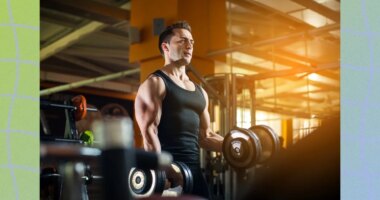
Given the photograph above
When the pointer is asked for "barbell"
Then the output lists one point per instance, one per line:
(78, 105)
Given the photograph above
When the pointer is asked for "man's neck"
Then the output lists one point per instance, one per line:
(176, 68)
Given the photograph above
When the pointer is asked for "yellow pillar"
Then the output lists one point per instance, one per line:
(287, 132)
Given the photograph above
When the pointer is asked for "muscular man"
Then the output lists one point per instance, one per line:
(171, 110)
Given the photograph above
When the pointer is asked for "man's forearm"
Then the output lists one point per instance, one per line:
(212, 142)
(151, 142)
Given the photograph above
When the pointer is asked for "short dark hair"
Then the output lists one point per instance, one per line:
(167, 34)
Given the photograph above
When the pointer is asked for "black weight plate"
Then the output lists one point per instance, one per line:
(187, 177)
(257, 148)
(190, 184)
(269, 140)
(241, 148)
(238, 149)
(161, 179)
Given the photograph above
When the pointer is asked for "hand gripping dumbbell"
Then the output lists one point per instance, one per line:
(144, 182)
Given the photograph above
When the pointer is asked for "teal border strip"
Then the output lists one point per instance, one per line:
(360, 95)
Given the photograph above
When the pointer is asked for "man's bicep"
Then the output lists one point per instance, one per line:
(205, 120)
(142, 111)
(204, 126)
(205, 116)
(147, 104)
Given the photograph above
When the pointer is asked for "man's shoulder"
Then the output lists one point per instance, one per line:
(154, 82)
(153, 85)
(154, 78)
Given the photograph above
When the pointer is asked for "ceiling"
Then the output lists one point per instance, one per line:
(291, 48)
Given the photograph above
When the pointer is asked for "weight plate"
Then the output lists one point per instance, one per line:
(269, 140)
(187, 177)
(241, 148)
(80, 104)
(141, 182)
(161, 179)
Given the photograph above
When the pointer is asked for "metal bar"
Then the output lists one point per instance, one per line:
(48, 104)
(253, 105)
(234, 100)
(281, 73)
(315, 31)
(54, 105)
(270, 13)
(70, 123)
(88, 81)
(323, 10)
(92, 10)
(284, 112)
(60, 78)
(69, 39)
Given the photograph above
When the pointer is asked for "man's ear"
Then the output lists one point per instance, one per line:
(164, 46)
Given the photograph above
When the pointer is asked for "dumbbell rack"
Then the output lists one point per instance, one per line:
(115, 157)
(73, 135)
(67, 164)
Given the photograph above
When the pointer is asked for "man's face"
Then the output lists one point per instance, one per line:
(180, 45)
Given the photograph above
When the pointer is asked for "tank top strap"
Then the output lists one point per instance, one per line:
(164, 77)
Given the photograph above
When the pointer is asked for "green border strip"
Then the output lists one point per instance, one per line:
(19, 86)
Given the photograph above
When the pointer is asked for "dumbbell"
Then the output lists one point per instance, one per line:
(244, 148)
(145, 182)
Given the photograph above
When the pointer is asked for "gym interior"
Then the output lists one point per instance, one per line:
(271, 70)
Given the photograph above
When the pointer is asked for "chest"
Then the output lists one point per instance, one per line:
(178, 99)
(184, 84)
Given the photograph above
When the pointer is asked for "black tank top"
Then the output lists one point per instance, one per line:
(179, 125)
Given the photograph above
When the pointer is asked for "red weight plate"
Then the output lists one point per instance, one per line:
(80, 107)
